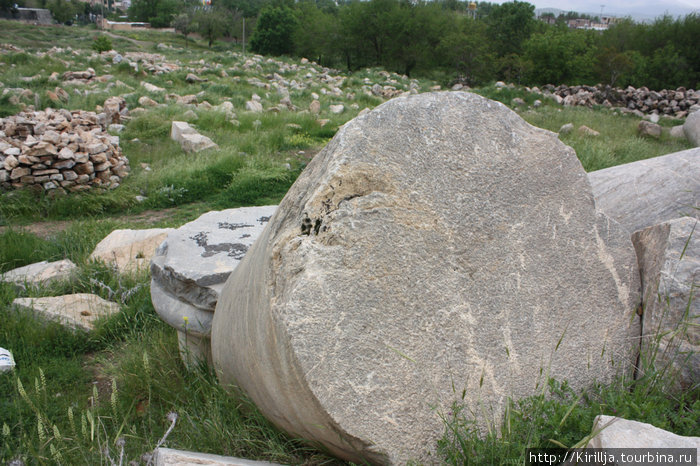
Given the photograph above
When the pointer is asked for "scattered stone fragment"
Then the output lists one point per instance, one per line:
(413, 238)
(40, 274)
(677, 132)
(648, 192)
(253, 106)
(151, 87)
(337, 108)
(170, 457)
(79, 311)
(191, 266)
(691, 128)
(315, 107)
(192, 78)
(616, 432)
(145, 101)
(188, 138)
(646, 128)
(566, 128)
(669, 263)
(130, 251)
(586, 131)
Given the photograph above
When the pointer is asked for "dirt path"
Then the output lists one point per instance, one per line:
(51, 228)
(140, 43)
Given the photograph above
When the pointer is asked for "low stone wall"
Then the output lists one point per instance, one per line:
(675, 103)
(60, 150)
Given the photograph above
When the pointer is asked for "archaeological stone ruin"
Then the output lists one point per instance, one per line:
(190, 267)
(61, 150)
(438, 244)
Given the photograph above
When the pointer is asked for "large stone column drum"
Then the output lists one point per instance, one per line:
(438, 244)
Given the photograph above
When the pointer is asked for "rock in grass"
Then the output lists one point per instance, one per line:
(40, 273)
(691, 128)
(647, 128)
(79, 311)
(189, 270)
(586, 131)
(437, 244)
(647, 192)
(188, 138)
(616, 432)
(669, 263)
(130, 250)
(171, 457)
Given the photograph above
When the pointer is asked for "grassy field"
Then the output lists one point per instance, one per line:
(77, 397)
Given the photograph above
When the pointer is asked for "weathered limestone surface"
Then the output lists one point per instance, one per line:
(669, 264)
(437, 242)
(130, 250)
(647, 192)
(74, 310)
(616, 432)
(170, 457)
(41, 273)
(190, 268)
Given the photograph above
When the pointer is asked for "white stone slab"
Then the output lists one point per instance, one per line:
(75, 310)
(130, 250)
(40, 273)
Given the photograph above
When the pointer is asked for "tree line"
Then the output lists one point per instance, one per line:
(445, 40)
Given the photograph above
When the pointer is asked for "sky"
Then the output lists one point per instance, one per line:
(638, 9)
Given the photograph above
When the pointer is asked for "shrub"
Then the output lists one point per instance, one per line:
(101, 44)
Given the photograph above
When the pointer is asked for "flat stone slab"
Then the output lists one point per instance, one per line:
(189, 139)
(616, 432)
(40, 273)
(647, 192)
(78, 311)
(130, 250)
(669, 264)
(190, 267)
(170, 457)
(195, 260)
(438, 245)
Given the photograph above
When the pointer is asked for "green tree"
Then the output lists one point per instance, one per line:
(160, 13)
(183, 24)
(465, 47)
(274, 31)
(316, 34)
(510, 25)
(61, 10)
(610, 65)
(211, 23)
(560, 55)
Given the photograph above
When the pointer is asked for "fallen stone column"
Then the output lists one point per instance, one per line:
(438, 244)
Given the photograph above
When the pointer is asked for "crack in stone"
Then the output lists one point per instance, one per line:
(233, 226)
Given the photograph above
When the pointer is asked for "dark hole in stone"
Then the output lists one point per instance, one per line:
(263, 220)
(306, 226)
(317, 225)
(85, 313)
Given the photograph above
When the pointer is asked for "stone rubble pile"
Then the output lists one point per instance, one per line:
(59, 150)
(153, 63)
(676, 103)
